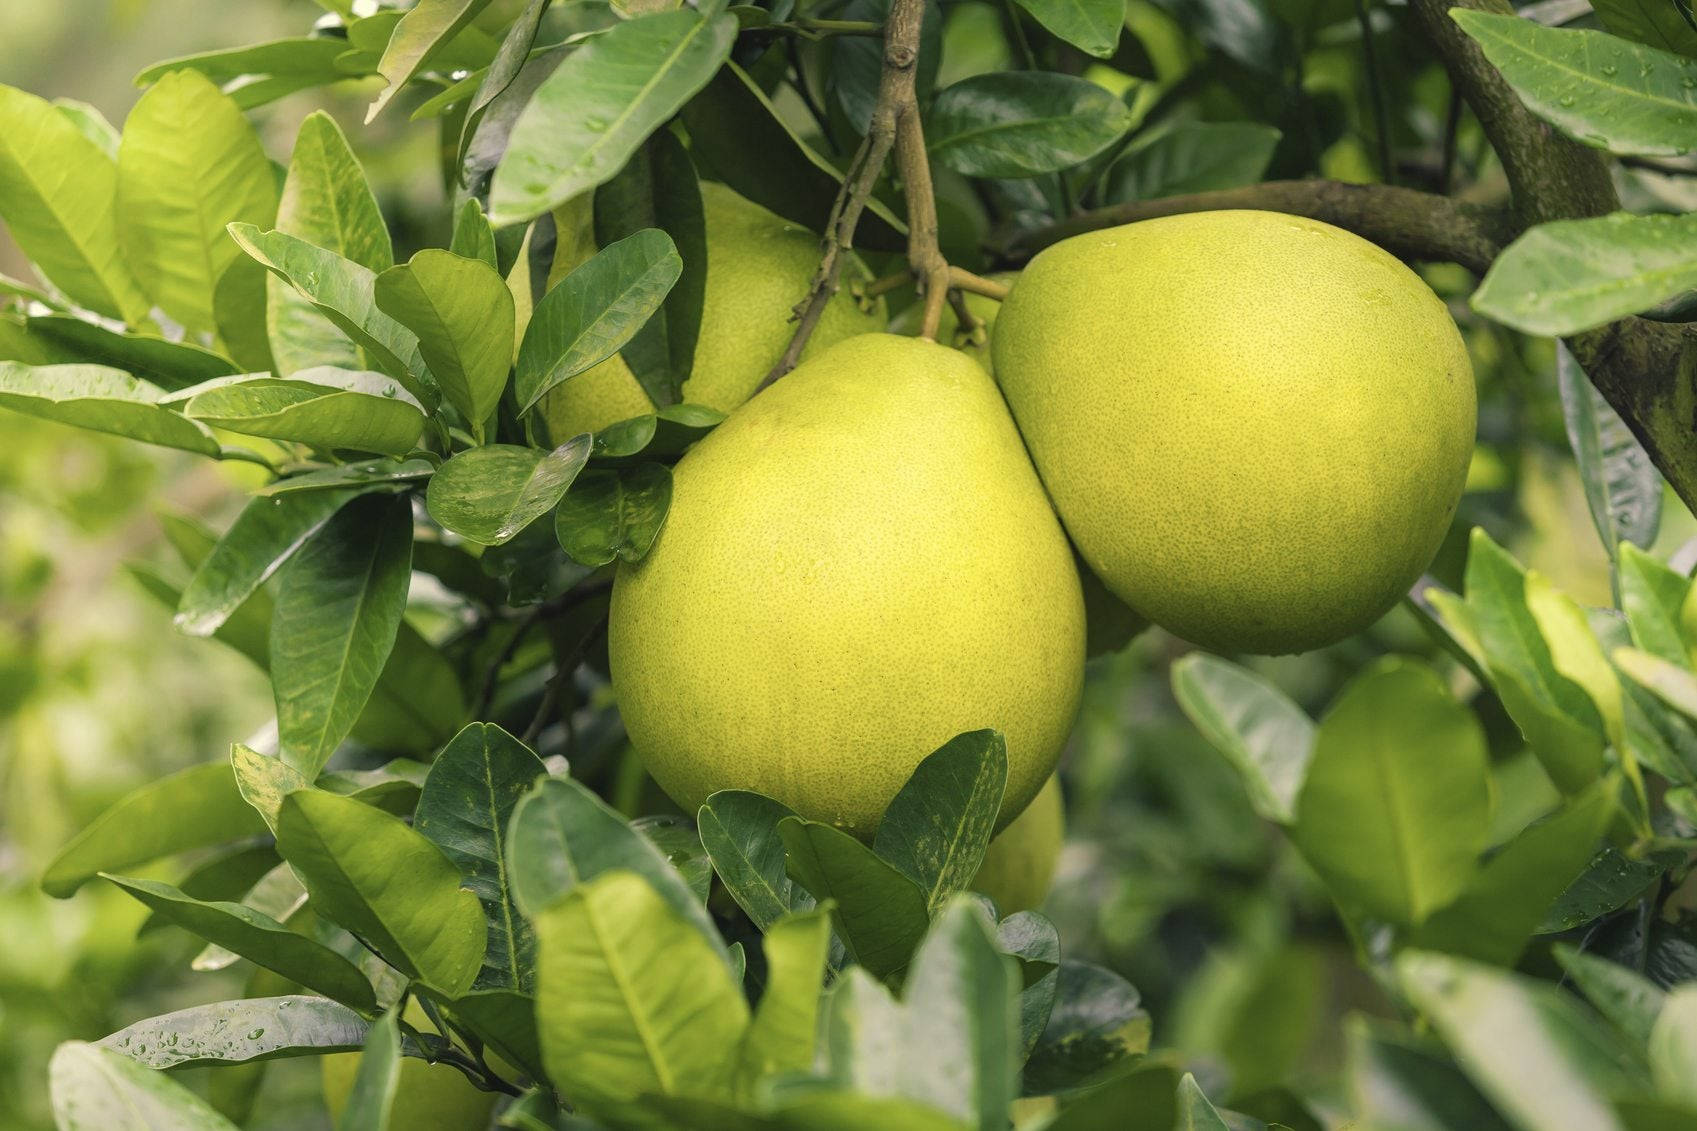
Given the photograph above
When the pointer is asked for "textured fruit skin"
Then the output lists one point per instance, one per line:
(433, 1096)
(1256, 427)
(758, 267)
(858, 565)
(1020, 863)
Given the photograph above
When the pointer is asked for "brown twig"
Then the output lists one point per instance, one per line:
(963, 280)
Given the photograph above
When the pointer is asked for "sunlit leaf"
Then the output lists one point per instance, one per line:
(1268, 738)
(101, 400)
(95, 1089)
(490, 494)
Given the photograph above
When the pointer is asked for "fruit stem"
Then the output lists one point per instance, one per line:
(963, 280)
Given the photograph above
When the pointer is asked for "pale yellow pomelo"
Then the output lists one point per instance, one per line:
(1020, 863)
(858, 565)
(1256, 427)
(759, 266)
(436, 1096)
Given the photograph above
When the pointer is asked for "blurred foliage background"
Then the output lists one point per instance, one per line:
(1168, 876)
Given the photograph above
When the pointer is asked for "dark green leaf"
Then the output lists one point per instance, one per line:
(589, 116)
(236, 1032)
(880, 914)
(614, 514)
(1268, 738)
(666, 432)
(1623, 489)
(1033, 940)
(1193, 157)
(95, 1089)
(505, 1020)
(1022, 123)
(225, 874)
(462, 312)
(170, 365)
(1097, 1020)
(1649, 21)
(1624, 996)
(1092, 26)
(1608, 883)
(278, 896)
(739, 830)
(491, 493)
(372, 472)
(466, 807)
(939, 823)
(101, 400)
(678, 841)
(379, 1075)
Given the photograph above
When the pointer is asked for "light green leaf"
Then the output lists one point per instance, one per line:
(264, 780)
(101, 400)
(369, 872)
(1022, 123)
(1571, 275)
(880, 914)
(466, 808)
(1623, 489)
(1623, 995)
(261, 72)
(1673, 684)
(588, 117)
(93, 124)
(1394, 808)
(781, 1037)
(1651, 596)
(58, 196)
(325, 407)
(1264, 735)
(590, 314)
(189, 165)
(462, 312)
(95, 1089)
(490, 494)
(372, 1095)
(1092, 26)
(1576, 653)
(258, 938)
(238, 307)
(420, 35)
(472, 236)
(940, 822)
(239, 1032)
(193, 808)
(339, 606)
(614, 514)
(1195, 1113)
(1673, 1047)
(1594, 87)
(632, 998)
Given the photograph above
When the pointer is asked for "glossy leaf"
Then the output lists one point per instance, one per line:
(261, 539)
(664, 432)
(1092, 26)
(1650, 22)
(58, 197)
(366, 472)
(491, 493)
(1097, 1020)
(614, 514)
(589, 116)
(1265, 736)
(1609, 882)
(474, 785)
(1570, 275)
(278, 895)
(940, 822)
(326, 202)
(1626, 997)
(1594, 87)
(462, 313)
(237, 1032)
(1034, 942)
(880, 914)
(189, 165)
(1393, 811)
(1623, 489)
(95, 1089)
(783, 1032)
(372, 1096)
(224, 874)
(192, 808)
(170, 365)
(371, 873)
(631, 997)
(1193, 157)
(739, 830)
(420, 35)
(339, 607)
(326, 408)
(1022, 123)
(260, 939)
(594, 311)
(101, 400)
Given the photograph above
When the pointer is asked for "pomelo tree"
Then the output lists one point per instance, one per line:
(506, 482)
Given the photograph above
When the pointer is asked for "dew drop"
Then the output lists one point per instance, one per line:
(255, 1034)
(1567, 100)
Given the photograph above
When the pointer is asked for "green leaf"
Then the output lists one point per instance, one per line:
(238, 1032)
(1609, 882)
(563, 835)
(665, 432)
(370, 873)
(238, 307)
(1570, 275)
(465, 809)
(589, 116)
(1673, 1047)
(675, 836)
(472, 236)
(262, 72)
(95, 1089)
(1034, 942)
(93, 124)
(739, 830)
(1576, 653)
(1150, 1089)
(940, 822)
(258, 938)
(1193, 157)
(193, 808)
(1623, 995)
(419, 37)
(1593, 87)
(1651, 596)
(1022, 123)
(510, 59)
(1393, 811)
(1092, 26)
(737, 134)
(462, 312)
(658, 190)
(505, 1020)
(372, 472)
(1195, 1113)
(278, 895)
(339, 607)
(1649, 21)
(326, 202)
(1673, 684)
(594, 311)
(372, 1096)
(781, 1037)
(261, 539)
(491, 493)
(189, 165)
(101, 400)
(631, 997)
(224, 873)
(170, 365)
(1398, 1084)
(1265, 736)
(1532, 1048)
(342, 291)
(1623, 489)
(614, 514)
(58, 196)
(880, 914)
(1098, 1020)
